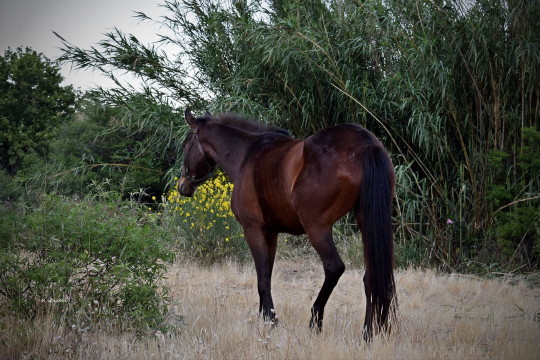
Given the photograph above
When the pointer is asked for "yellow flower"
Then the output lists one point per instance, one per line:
(208, 208)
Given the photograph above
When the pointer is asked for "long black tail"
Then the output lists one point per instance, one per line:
(374, 215)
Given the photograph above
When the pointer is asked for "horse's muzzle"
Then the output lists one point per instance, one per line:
(185, 188)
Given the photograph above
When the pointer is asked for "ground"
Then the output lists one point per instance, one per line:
(441, 316)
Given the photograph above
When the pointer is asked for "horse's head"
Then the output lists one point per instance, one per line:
(197, 166)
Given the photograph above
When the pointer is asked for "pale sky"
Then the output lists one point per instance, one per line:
(82, 23)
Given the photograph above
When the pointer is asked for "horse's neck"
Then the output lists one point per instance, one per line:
(229, 148)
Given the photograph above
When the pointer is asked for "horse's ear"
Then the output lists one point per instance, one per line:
(207, 114)
(190, 119)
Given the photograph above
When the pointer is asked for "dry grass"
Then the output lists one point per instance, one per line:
(441, 317)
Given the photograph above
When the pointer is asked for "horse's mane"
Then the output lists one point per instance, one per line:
(246, 124)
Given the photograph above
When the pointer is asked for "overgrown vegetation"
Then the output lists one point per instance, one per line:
(87, 259)
(93, 147)
(449, 86)
(89, 218)
(206, 227)
(73, 241)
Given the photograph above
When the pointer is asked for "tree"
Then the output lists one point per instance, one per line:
(443, 84)
(32, 105)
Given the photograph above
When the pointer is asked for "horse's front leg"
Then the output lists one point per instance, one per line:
(263, 249)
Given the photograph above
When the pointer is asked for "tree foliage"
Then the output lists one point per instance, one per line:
(447, 85)
(33, 103)
(94, 147)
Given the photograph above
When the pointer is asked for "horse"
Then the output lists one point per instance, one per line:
(285, 185)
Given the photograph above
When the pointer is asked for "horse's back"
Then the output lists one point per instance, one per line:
(344, 138)
(337, 150)
(328, 184)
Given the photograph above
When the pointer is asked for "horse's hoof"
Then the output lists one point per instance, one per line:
(366, 335)
(271, 319)
(315, 325)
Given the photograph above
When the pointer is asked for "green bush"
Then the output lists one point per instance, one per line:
(10, 187)
(99, 260)
(207, 229)
(92, 148)
(515, 198)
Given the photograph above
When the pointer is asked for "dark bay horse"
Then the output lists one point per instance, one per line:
(302, 187)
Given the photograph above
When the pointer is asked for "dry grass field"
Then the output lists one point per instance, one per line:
(440, 317)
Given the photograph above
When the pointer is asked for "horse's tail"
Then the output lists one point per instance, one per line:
(373, 212)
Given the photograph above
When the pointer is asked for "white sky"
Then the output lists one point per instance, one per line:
(82, 23)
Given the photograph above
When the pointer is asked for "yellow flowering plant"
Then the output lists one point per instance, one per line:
(209, 230)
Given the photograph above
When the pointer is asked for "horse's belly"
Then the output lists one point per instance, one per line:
(284, 221)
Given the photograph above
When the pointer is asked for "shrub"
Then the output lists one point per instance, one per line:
(514, 193)
(10, 187)
(91, 259)
(92, 147)
(208, 229)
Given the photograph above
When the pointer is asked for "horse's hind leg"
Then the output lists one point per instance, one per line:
(263, 249)
(321, 240)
